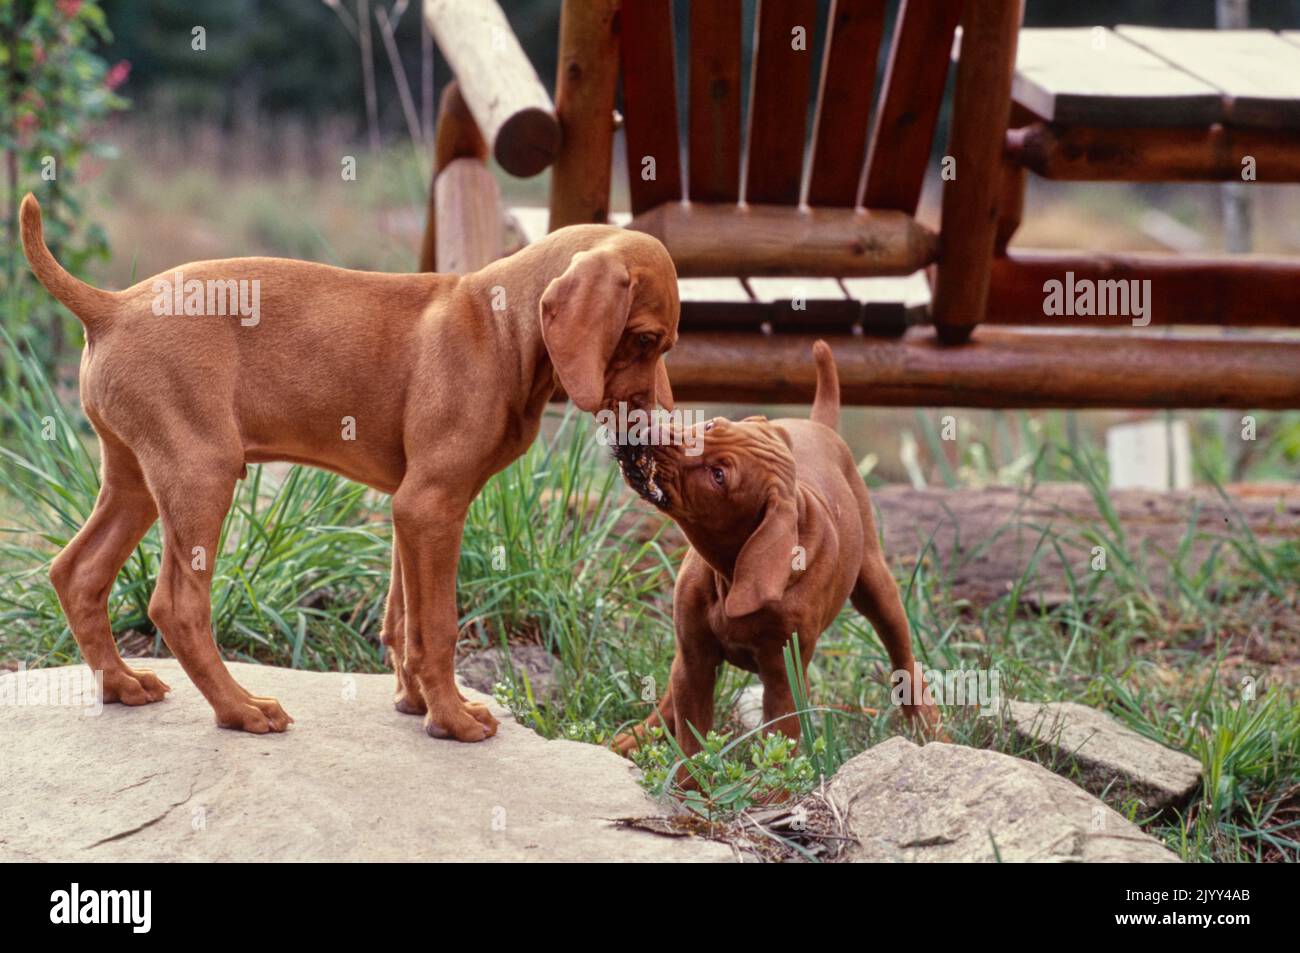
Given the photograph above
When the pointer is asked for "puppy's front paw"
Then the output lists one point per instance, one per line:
(461, 720)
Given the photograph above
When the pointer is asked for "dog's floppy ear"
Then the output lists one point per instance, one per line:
(583, 313)
(766, 560)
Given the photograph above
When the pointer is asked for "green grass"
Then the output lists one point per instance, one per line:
(556, 555)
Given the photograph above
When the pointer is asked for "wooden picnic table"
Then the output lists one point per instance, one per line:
(1142, 103)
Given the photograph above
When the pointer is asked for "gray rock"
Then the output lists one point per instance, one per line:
(482, 669)
(1109, 757)
(949, 803)
(351, 780)
(749, 707)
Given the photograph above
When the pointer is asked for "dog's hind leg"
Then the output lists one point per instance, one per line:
(84, 572)
(193, 498)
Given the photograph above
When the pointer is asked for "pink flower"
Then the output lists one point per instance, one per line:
(117, 74)
(69, 8)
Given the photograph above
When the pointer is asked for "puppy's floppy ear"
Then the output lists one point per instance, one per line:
(583, 313)
(766, 560)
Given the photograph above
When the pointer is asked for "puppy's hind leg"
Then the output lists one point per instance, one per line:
(193, 498)
(84, 572)
(876, 596)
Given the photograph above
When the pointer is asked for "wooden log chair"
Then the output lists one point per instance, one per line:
(789, 232)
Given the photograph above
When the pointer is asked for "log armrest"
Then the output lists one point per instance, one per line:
(506, 99)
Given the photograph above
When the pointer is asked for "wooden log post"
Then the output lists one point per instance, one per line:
(457, 137)
(500, 86)
(1000, 367)
(468, 217)
(586, 77)
(981, 111)
(708, 241)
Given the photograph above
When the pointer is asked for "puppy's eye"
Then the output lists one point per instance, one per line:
(718, 475)
(646, 340)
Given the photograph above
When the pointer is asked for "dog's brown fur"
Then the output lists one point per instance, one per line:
(758, 490)
(444, 390)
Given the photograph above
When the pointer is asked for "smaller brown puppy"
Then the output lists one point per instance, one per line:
(776, 548)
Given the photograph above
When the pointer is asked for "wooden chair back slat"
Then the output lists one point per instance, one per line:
(848, 78)
(778, 102)
(910, 101)
(650, 103)
(714, 108)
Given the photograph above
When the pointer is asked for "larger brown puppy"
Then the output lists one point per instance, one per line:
(777, 546)
(419, 385)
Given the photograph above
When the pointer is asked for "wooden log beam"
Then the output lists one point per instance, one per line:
(1235, 290)
(506, 98)
(997, 368)
(468, 217)
(709, 241)
(1212, 153)
(585, 80)
(981, 109)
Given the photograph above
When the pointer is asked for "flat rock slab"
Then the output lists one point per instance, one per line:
(948, 803)
(351, 780)
(1109, 756)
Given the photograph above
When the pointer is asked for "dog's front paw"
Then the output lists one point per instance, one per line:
(462, 720)
(133, 687)
(257, 715)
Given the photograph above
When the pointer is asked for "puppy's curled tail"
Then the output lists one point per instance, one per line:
(826, 403)
(91, 305)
